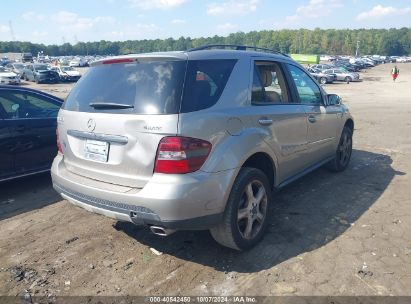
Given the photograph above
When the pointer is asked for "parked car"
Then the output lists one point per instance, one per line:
(321, 77)
(66, 73)
(26, 57)
(343, 75)
(8, 77)
(347, 66)
(16, 67)
(196, 139)
(322, 67)
(27, 131)
(78, 62)
(4, 61)
(40, 73)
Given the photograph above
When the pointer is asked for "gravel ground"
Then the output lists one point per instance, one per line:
(329, 234)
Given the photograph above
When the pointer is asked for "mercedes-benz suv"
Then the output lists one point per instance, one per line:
(196, 140)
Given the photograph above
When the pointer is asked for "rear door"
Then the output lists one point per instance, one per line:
(114, 118)
(275, 109)
(32, 124)
(6, 144)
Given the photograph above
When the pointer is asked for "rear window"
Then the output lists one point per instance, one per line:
(153, 87)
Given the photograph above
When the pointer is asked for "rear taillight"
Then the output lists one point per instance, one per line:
(58, 142)
(179, 155)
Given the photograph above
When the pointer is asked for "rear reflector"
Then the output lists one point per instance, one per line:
(179, 155)
(59, 148)
(118, 60)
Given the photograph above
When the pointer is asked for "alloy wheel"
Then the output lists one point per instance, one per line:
(344, 150)
(252, 210)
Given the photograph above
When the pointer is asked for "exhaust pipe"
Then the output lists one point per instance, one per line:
(161, 230)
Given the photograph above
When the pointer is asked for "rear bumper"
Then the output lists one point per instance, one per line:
(193, 201)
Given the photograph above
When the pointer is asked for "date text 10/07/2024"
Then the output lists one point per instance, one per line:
(201, 299)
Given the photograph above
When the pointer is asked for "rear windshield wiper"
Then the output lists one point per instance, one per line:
(110, 105)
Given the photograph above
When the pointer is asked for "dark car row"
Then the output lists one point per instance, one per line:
(28, 120)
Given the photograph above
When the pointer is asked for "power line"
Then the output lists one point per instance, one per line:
(13, 37)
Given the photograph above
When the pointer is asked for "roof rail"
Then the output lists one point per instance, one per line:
(234, 46)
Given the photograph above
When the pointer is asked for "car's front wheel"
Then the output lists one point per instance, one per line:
(343, 153)
(245, 217)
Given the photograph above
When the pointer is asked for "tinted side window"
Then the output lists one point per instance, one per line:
(307, 89)
(27, 105)
(205, 82)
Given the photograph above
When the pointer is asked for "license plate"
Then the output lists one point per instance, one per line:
(96, 150)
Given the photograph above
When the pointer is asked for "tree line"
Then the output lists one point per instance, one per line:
(303, 41)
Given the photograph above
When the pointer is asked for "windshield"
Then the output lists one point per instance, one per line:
(67, 69)
(18, 66)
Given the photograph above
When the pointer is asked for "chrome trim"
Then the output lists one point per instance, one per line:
(102, 137)
(24, 175)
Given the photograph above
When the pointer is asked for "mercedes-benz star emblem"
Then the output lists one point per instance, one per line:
(91, 124)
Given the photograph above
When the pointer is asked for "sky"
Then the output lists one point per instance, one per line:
(57, 21)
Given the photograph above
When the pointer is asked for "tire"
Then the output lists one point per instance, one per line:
(323, 80)
(343, 153)
(243, 229)
(36, 80)
(347, 79)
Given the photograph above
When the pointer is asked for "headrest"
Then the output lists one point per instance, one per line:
(266, 77)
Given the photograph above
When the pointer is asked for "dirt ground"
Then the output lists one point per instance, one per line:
(329, 234)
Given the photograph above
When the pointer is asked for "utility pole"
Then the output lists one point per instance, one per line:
(358, 46)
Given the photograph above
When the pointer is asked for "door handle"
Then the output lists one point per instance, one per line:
(312, 119)
(264, 121)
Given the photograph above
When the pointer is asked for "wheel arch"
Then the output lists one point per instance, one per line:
(350, 124)
(263, 162)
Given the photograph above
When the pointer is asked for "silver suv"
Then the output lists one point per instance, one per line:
(196, 140)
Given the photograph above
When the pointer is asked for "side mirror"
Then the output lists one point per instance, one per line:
(334, 99)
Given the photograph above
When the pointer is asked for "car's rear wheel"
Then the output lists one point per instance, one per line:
(245, 217)
(347, 79)
(343, 153)
(323, 80)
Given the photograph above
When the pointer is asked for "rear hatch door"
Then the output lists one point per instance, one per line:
(114, 118)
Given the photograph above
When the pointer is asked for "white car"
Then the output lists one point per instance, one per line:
(66, 73)
(78, 62)
(8, 77)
